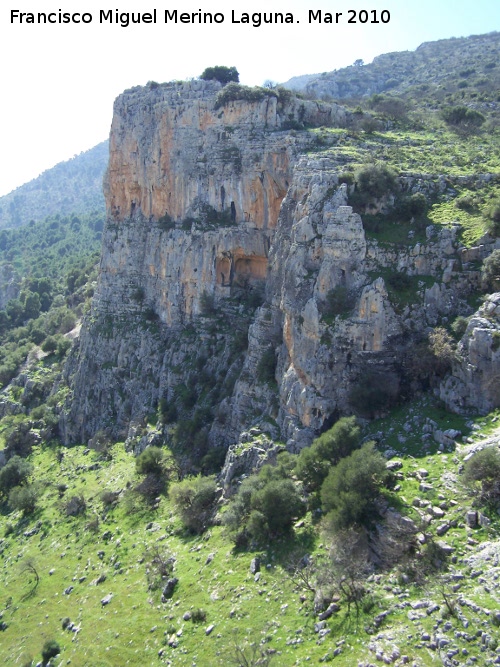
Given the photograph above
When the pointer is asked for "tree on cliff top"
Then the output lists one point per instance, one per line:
(221, 73)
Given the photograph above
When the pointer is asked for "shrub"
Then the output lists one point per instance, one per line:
(484, 467)
(493, 215)
(109, 498)
(265, 505)
(207, 304)
(151, 460)
(198, 615)
(151, 487)
(374, 182)
(25, 498)
(328, 449)
(462, 117)
(234, 91)
(339, 301)
(194, 499)
(491, 271)
(15, 472)
(442, 346)
(274, 506)
(220, 73)
(349, 491)
(50, 649)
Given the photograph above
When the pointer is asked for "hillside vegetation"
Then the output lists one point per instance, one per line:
(378, 544)
(74, 186)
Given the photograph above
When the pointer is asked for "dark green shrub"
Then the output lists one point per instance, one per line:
(484, 467)
(352, 486)
(194, 499)
(338, 301)
(462, 117)
(50, 649)
(198, 615)
(151, 460)
(459, 326)
(491, 271)
(234, 91)
(166, 222)
(278, 503)
(493, 216)
(15, 472)
(25, 498)
(207, 304)
(168, 411)
(220, 73)
(374, 182)
(414, 206)
(314, 462)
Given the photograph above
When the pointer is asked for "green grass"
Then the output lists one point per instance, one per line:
(136, 625)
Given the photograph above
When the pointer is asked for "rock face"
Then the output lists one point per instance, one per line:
(215, 207)
(475, 379)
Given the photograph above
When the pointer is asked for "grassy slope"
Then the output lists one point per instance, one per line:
(135, 626)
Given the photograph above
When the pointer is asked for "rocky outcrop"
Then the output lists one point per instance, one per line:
(212, 205)
(474, 383)
(193, 192)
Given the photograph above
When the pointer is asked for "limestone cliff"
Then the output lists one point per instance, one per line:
(193, 193)
(214, 207)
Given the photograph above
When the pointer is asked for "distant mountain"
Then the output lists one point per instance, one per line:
(465, 62)
(74, 186)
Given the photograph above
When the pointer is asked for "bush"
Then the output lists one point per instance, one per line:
(276, 504)
(150, 461)
(14, 473)
(442, 346)
(25, 498)
(327, 450)
(493, 215)
(339, 301)
(349, 491)
(265, 505)
(194, 499)
(50, 649)
(462, 117)
(491, 271)
(234, 91)
(198, 615)
(374, 182)
(220, 73)
(484, 467)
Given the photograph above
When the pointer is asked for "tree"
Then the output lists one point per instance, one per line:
(194, 499)
(484, 467)
(151, 460)
(328, 449)
(349, 491)
(25, 498)
(50, 649)
(15, 472)
(221, 73)
(491, 271)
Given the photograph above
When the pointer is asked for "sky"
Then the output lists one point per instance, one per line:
(59, 80)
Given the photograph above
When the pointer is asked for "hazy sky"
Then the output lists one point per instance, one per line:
(59, 81)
